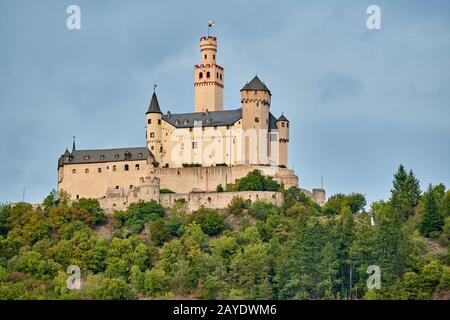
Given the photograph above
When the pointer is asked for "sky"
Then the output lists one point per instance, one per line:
(360, 102)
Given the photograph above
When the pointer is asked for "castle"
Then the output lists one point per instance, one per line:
(189, 153)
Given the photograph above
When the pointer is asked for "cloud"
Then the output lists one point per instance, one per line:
(334, 86)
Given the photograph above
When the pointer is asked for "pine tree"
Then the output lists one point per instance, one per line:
(432, 219)
(405, 194)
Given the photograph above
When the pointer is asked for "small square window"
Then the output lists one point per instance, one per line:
(194, 145)
(99, 170)
(256, 119)
(152, 134)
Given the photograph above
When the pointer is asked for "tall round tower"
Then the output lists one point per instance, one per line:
(255, 99)
(153, 130)
(208, 78)
(283, 139)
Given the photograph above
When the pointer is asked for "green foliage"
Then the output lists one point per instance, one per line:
(166, 191)
(114, 289)
(432, 219)
(261, 209)
(405, 194)
(354, 201)
(219, 188)
(91, 208)
(138, 214)
(211, 221)
(159, 231)
(255, 181)
(237, 206)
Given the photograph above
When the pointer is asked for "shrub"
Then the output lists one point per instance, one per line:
(114, 289)
(261, 209)
(138, 214)
(255, 181)
(166, 191)
(92, 208)
(210, 221)
(159, 231)
(237, 205)
(219, 188)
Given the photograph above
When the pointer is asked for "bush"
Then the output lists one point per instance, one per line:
(219, 188)
(138, 214)
(166, 191)
(237, 205)
(174, 226)
(210, 221)
(92, 208)
(159, 231)
(191, 165)
(261, 209)
(255, 181)
(114, 289)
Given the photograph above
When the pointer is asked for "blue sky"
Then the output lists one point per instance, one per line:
(360, 102)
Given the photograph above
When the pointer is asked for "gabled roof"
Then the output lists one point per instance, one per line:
(208, 119)
(105, 155)
(154, 105)
(282, 118)
(255, 84)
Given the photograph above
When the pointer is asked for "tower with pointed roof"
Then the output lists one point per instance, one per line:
(255, 99)
(153, 129)
(208, 78)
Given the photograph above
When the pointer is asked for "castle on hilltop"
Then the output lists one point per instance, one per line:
(189, 153)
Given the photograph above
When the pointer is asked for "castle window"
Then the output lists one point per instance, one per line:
(190, 129)
(208, 74)
(220, 76)
(215, 127)
(256, 119)
(117, 187)
(228, 127)
(206, 56)
(86, 170)
(149, 121)
(126, 167)
(200, 75)
(152, 147)
(177, 122)
(131, 186)
(99, 170)
(287, 124)
(214, 56)
(194, 145)
(102, 157)
(186, 121)
(160, 149)
(136, 167)
(139, 155)
(217, 74)
(273, 137)
(74, 171)
(87, 157)
(152, 134)
(282, 124)
(114, 168)
(78, 196)
(159, 121)
(116, 156)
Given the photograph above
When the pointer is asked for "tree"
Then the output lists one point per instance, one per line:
(93, 210)
(211, 221)
(261, 209)
(405, 194)
(114, 289)
(138, 214)
(159, 231)
(236, 206)
(432, 219)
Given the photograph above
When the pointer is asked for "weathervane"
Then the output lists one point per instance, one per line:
(211, 23)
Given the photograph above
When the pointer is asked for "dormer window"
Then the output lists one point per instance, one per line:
(185, 121)
(177, 122)
(139, 155)
(87, 157)
(102, 157)
(116, 156)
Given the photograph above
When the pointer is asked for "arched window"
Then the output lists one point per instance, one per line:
(149, 121)
(217, 74)
(152, 134)
(206, 56)
(114, 168)
(127, 167)
(136, 167)
(208, 74)
(220, 76)
(87, 157)
(160, 149)
(74, 171)
(200, 75)
(214, 56)
(86, 170)
(102, 157)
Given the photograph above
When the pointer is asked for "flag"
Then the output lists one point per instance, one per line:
(211, 23)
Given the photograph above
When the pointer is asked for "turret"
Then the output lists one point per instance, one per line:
(208, 78)
(283, 139)
(153, 129)
(255, 99)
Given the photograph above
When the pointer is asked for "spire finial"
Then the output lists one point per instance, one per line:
(73, 144)
(211, 23)
(154, 87)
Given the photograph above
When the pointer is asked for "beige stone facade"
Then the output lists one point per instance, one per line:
(187, 152)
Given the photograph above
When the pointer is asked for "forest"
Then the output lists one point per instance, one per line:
(251, 250)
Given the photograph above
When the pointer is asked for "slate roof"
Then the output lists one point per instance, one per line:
(282, 118)
(209, 119)
(255, 84)
(105, 155)
(154, 105)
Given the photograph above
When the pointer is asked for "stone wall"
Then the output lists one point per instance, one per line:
(218, 200)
